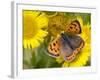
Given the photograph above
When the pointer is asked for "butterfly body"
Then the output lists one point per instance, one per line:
(67, 44)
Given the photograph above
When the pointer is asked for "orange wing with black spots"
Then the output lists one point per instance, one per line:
(74, 28)
(54, 47)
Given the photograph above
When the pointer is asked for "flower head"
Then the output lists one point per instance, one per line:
(34, 23)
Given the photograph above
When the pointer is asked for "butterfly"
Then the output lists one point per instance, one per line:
(67, 44)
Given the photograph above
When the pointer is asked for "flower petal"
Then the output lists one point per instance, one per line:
(42, 20)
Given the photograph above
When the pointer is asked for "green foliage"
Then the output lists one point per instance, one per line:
(86, 18)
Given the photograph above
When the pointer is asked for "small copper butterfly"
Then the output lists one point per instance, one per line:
(67, 44)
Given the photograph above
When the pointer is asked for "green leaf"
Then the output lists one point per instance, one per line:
(86, 18)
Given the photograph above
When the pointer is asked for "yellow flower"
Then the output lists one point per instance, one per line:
(34, 23)
(84, 56)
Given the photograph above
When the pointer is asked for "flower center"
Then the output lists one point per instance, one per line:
(30, 27)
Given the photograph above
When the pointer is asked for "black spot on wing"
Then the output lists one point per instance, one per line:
(71, 27)
(51, 47)
(79, 26)
(76, 29)
(56, 41)
(54, 44)
(55, 50)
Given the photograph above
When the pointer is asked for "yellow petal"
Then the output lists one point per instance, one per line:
(42, 20)
(31, 13)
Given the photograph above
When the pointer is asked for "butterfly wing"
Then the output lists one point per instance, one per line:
(76, 41)
(74, 27)
(54, 47)
(68, 52)
(65, 49)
